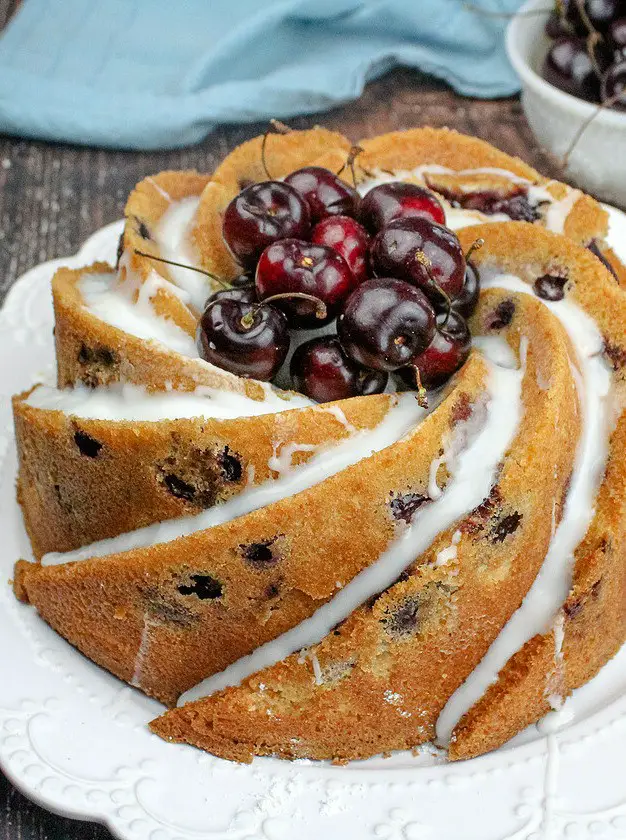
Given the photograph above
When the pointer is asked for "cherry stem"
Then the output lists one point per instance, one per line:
(422, 399)
(608, 103)
(421, 258)
(276, 127)
(353, 154)
(206, 273)
(247, 320)
(476, 245)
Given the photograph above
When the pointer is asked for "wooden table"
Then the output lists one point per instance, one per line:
(53, 196)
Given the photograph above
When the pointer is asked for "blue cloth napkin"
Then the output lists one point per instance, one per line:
(147, 74)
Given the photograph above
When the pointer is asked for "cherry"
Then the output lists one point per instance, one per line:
(446, 353)
(261, 214)
(321, 369)
(614, 85)
(386, 323)
(617, 35)
(292, 265)
(324, 192)
(557, 25)
(399, 200)
(241, 289)
(599, 12)
(348, 238)
(422, 252)
(247, 339)
(466, 301)
(569, 68)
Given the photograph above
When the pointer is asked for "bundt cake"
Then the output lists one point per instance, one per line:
(333, 477)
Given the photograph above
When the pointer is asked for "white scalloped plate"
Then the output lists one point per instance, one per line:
(74, 739)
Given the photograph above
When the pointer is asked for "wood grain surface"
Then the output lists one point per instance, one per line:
(53, 196)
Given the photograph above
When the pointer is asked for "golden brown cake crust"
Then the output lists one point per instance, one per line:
(392, 690)
(274, 567)
(131, 474)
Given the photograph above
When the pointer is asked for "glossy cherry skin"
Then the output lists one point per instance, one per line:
(617, 35)
(292, 265)
(324, 192)
(569, 68)
(398, 200)
(256, 351)
(556, 25)
(447, 352)
(614, 85)
(321, 369)
(386, 323)
(599, 12)
(241, 289)
(261, 214)
(467, 300)
(350, 239)
(421, 252)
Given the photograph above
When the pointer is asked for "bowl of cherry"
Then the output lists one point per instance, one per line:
(341, 295)
(571, 61)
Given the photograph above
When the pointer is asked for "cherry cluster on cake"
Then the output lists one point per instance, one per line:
(588, 55)
(378, 283)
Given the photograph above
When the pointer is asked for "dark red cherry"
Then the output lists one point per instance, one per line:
(292, 265)
(399, 200)
(261, 214)
(241, 289)
(386, 323)
(466, 301)
(614, 85)
(321, 369)
(348, 238)
(569, 68)
(617, 35)
(557, 25)
(324, 192)
(599, 12)
(247, 339)
(421, 252)
(447, 352)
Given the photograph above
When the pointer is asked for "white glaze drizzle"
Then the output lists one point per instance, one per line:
(331, 459)
(480, 444)
(172, 236)
(555, 214)
(113, 303)
(541, 605)
(126, 402)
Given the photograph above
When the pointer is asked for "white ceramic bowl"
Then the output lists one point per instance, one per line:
(598, 161)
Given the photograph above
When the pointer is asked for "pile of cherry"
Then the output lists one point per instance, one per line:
(588, 55)
(312, 251)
